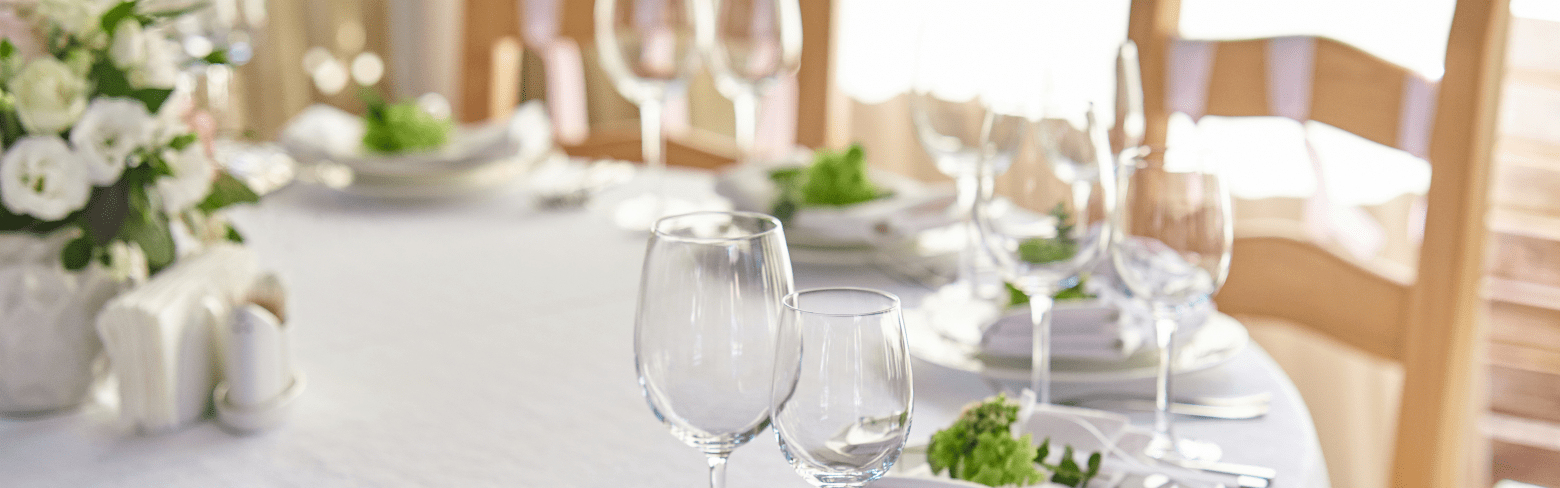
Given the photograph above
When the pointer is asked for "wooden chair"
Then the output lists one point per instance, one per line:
(1429, 322)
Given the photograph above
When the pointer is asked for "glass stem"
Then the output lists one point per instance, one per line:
(745, 104)
(968, 194)
(1040, 305)
(717, 470)
(653, 142)
(1164, 333)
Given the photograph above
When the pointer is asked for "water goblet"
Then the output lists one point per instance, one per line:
(1173, 254)
(842, 395)
(704, 336)
(957, 126)
(750, 45)
(1049, 218)
(646, 47)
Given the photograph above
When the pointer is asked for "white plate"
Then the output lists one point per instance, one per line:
(1215, 342)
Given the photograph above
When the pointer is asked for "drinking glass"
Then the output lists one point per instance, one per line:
(1174, 253)
(1050, 216)
(749, 44)
(842, 387)
(968, 139)
(646, 47)
(704, 336)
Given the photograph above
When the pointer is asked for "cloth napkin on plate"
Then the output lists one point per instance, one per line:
(159, 336)
(322, 133)
(913, 207)
(1090, 330)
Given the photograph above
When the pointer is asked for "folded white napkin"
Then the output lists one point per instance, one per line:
(159, 336)
(1089, 330)
(913, 207)
(326, 133)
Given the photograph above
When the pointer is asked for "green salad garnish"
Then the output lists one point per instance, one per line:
(401, 127)
(833, 179)
(979, 447)
(1049, 250)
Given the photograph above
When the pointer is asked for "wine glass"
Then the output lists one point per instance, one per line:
(1174, 253)
(1049, 218)
(646, 47)
(749, 44)
(842, 388)
(968, 139)
(704, 337)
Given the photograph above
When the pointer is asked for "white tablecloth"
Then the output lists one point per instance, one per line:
(483, 342)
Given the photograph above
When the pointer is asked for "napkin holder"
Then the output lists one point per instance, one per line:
(260, 383)
(159, 336)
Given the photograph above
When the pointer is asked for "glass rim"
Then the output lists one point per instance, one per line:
(790, 301)
(660, 233)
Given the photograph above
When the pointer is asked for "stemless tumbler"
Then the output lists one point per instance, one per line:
(842, 391)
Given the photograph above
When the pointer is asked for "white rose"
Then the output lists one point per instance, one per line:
(127, 262)
(191, 180)
(49, 96)
(110, 130)
(128, 49)
(41, 177)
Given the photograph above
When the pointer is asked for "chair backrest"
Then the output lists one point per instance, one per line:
(1429, 323)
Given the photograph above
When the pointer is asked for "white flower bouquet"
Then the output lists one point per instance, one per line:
(94, 139)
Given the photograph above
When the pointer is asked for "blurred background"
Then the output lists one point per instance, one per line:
(486, 56)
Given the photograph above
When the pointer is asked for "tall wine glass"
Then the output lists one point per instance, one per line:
(957, 127)
(842, 388)
(750, 44)
(1049, 218)
(704, 337)
(1174, 253)
(646, 47)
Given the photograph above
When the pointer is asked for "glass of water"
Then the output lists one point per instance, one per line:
(842, 389)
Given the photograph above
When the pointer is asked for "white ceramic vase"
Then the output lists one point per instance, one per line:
(48, 341)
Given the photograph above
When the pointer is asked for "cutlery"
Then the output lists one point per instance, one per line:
(1229, 408)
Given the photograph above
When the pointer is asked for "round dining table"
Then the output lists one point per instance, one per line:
(486, 341)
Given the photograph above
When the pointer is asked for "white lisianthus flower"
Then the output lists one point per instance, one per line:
(110, 130)
(49, 96)
(76, 17)
(127, 262)
(41, 177)
(191, 180)
(128, 48)
(160, 66)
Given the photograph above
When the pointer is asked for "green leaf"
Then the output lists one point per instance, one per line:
(7, 49)
(152, 97)
(111, 82)
(180, 142)
(227, 190)
(150, 17)
(111, 18)
(219, 56)
(234, 236)
(77, 253)
(149, 229)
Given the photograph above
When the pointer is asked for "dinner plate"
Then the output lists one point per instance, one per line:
(1215, 342)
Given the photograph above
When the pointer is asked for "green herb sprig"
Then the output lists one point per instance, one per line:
(833, 179)
(400, 127)
(980, 447)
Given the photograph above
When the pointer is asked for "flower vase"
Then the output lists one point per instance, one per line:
(48, 337)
